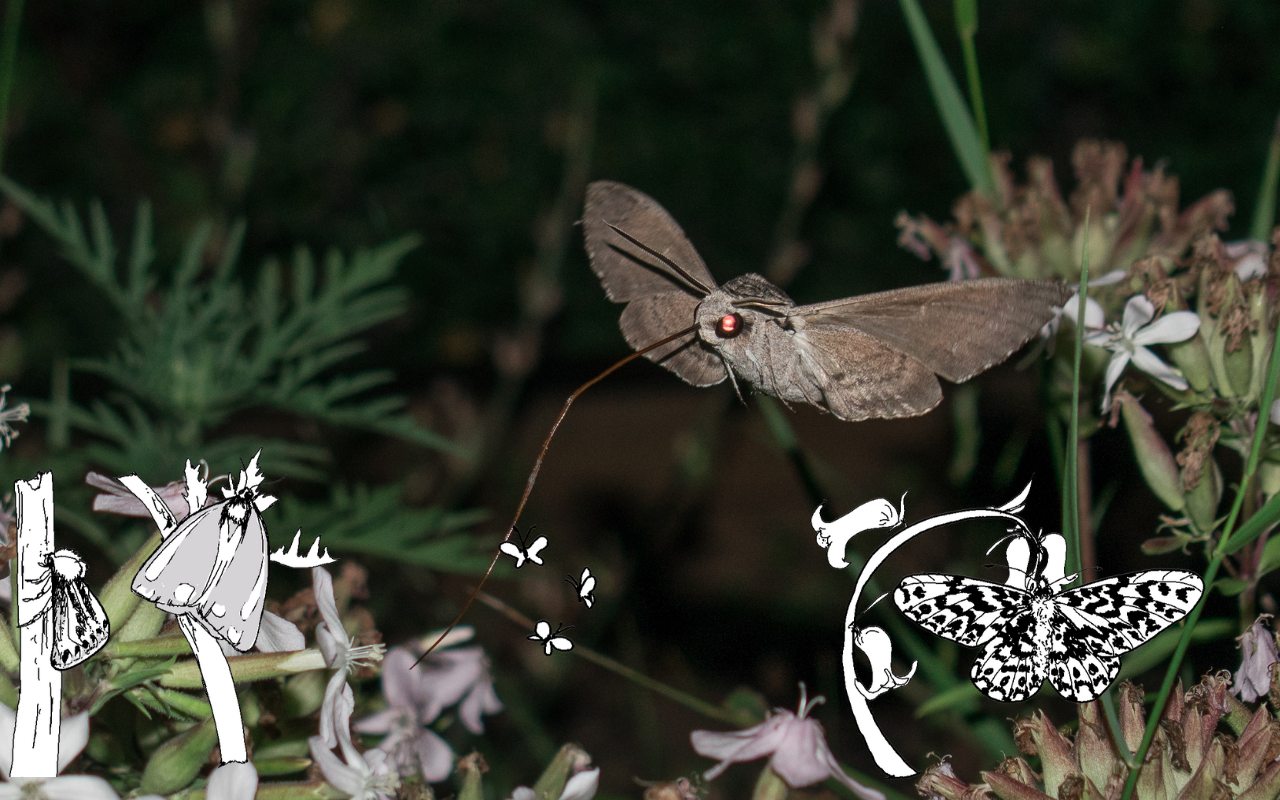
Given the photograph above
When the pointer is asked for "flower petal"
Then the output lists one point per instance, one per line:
(1119, 360)
(330, 634)
(582, 786)
(447, 677)
(1094, 317)
(8, 721)
(379, 722)
(523, 793)
(78, 787)
(399, 681)
(1137, 312)
(482, 699)
(338, 774)
(435, 756)
(1151, 364)
(73, 735)
(236, 780)
(796, 759)
(1176, 327)
(744, 745)
(278, 635)
(331, 711)
(837, 772)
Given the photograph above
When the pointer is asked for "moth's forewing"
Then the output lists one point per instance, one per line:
(177, 577)
(861, 378)
(956, 329)
(80, 625)
(661, 301)
(625, 269)
(233, 606)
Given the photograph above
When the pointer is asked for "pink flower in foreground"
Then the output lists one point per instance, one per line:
(795, 744)
(413, 747)
(1257, 653)
(460, 674)
(367, 776)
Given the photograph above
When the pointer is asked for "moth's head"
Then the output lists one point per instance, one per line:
(720, 322)
(67, 564)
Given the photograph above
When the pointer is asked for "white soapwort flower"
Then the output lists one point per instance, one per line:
(413, 747)
(370, 776)
(1127, 342)
(73, 736)
(340, 654)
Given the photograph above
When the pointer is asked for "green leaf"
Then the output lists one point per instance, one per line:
(962, 695)
(1230, 587)
(960, 127)
(1261, 520)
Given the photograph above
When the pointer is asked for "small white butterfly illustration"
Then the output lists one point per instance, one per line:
(542, 633)
(1031, 630)
(524, 552)
(585, 586)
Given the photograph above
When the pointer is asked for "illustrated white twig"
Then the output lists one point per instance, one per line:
(39, 716)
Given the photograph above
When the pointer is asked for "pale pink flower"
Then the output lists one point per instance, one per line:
(413, 747)
(1248, 257)
(339, 652)
(1257, 653)
(459, 674)
(365, 777)
(117, 499)
(795, 744)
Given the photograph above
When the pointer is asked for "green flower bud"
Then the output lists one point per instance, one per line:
(117, 596)
(769, 786)
(178, 761)
(250, 667)
(1239, 367)
(556, 775)
(1269, 477)
(1203, 500)
(1155, 460)
(304, 694)
(144, 623)
(1192, 358)
(472, 768)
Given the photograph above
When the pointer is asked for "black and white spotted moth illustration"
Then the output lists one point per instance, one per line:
(1030, 629)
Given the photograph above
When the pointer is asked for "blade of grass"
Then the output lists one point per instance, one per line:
(1264, 208)
(966, 27)
(951, 106)
(1211, 572)
(1071, 448)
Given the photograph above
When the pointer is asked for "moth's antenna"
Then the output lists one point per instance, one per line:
(537, 466)
(694, 282)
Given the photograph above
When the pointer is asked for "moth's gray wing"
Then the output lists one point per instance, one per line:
(232, 607)
(651, 319)
(856, 377)
(956, 329)
(624, 268)
(178, 572)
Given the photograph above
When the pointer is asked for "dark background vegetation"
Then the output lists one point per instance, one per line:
(347, 122)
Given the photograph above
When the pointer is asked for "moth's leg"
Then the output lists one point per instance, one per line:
(733, 379)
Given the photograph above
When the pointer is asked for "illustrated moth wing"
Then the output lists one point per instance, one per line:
(965, 610)
(957, 329)
(854, 376)
(651, 319)
(626, 270)
(232, 606)
(1010, 668)
(178, 576)
(80, 625)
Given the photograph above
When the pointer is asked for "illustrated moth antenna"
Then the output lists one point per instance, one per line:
(537, 467)
(311, 559)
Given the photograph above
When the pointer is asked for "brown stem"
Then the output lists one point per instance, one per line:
(537, 466)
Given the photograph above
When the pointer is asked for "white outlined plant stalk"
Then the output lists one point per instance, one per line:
(39, 715)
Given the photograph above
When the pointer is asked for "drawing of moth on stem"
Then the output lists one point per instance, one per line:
(873, 641)
(211, 573)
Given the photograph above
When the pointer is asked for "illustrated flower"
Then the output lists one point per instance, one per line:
(1127, 342)
(365, 777)
(340, 654)
(73, 736)
(581, 786)
(795, 744)
(1257, 653)
(412, 746)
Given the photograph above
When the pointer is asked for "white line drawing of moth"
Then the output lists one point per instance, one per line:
(211, 573)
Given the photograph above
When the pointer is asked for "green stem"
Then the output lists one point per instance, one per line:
(1220, 552)
(1071, 448)
(966, 27)
(1264, 209)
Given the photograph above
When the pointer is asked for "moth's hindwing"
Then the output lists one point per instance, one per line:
(1011, 667)
(80, 625)
(964, 610)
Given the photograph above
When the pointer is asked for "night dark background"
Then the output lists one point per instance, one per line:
(346, 123)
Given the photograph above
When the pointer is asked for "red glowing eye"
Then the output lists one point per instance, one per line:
(729, 326)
